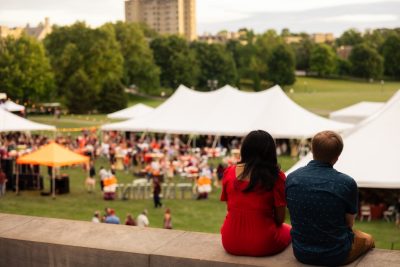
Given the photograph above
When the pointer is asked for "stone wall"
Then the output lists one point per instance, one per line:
(33, 241)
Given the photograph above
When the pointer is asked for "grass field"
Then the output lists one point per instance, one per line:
(317, 95)
(323, 96)
(188, 214)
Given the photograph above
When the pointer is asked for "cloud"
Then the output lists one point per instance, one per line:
(335, 19)
(363, 18)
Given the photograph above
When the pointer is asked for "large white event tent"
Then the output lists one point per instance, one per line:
(12, 106)
(230, 112)
(12, 123)
(133, 112)
(371, 149)
(357, 112)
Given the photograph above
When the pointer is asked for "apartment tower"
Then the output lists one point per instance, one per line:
(164, 16)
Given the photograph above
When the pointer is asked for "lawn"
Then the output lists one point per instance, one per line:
(323, 96)
(188, 214)
(317, 95)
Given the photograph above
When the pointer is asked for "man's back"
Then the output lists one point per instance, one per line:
(142, 220)
(319, 197)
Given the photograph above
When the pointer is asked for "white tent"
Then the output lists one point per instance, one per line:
(12, 106)
(13, 123)
(135, 111)
(371, 149)
(230, 112)
(356, 113)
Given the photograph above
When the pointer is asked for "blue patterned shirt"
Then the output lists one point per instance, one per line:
(318, 198)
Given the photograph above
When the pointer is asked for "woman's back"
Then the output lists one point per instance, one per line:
(250, 228)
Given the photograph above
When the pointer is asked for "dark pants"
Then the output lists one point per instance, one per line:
(157, 201)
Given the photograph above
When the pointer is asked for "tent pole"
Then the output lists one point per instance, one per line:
(215, 141)
(16, 179)
(190, 140)
(53, 177)
(143, 136)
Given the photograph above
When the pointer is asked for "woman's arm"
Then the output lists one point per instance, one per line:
(280, 215)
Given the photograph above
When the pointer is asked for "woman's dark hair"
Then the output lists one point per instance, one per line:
(258, 154)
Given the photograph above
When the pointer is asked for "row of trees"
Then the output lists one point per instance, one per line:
(89, 68)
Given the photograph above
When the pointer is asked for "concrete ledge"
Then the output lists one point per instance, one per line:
(34, 241)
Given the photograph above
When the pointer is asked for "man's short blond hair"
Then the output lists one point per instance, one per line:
(327, 146)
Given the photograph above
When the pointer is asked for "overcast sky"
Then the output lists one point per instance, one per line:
(214, 15)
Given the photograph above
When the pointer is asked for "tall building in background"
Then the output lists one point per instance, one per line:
(164, 16)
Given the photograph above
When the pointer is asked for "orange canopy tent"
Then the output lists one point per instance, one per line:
(53, 155)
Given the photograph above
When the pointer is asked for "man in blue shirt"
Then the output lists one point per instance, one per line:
(112, 218)
(322, 203)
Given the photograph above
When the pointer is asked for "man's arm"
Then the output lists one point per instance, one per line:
(350, 219)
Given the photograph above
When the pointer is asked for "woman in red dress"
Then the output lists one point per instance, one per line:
(254, 190)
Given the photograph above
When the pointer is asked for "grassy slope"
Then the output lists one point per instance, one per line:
(323, 96)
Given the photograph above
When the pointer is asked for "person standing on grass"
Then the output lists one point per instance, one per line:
(156, 193)
(3, 181)
(323, 203)
(254, 190)
(397, 210)
(103, 173)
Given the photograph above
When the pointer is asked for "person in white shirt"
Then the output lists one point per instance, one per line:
(103, 173)
(142, 219)
(96, 217)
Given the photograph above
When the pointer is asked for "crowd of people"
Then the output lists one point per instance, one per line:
(141, 220)
(255, 189)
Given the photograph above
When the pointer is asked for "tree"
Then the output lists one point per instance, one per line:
(25, 71)
(322, 60)
(216, 63)
(139, 66)
(112, 97)
(80, 98)
(281, 66)
(366, 62)
(242, 54)
(95, 53)
(343, 67)
(350, 37)
(264, 46)
(391, 53)
(176, 60)
(303, 53)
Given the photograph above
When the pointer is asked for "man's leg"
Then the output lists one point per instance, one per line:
(361, 244)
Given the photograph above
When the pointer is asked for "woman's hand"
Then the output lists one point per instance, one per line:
(280, 215)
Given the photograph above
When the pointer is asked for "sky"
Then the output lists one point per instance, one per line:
(215, 15)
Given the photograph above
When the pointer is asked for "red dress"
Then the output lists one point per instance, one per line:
(249, 228)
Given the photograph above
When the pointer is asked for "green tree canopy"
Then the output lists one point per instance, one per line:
(139, 66)
(25, 71)
(391, 54)
(242, 54)
(350, 37)
(264, 45)
(112, 97)
(216, 63)
(303, 53)
(176, 60)
(281, 65)
(322, 60)
(79, 96)
(95, 53)
(366, 62)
